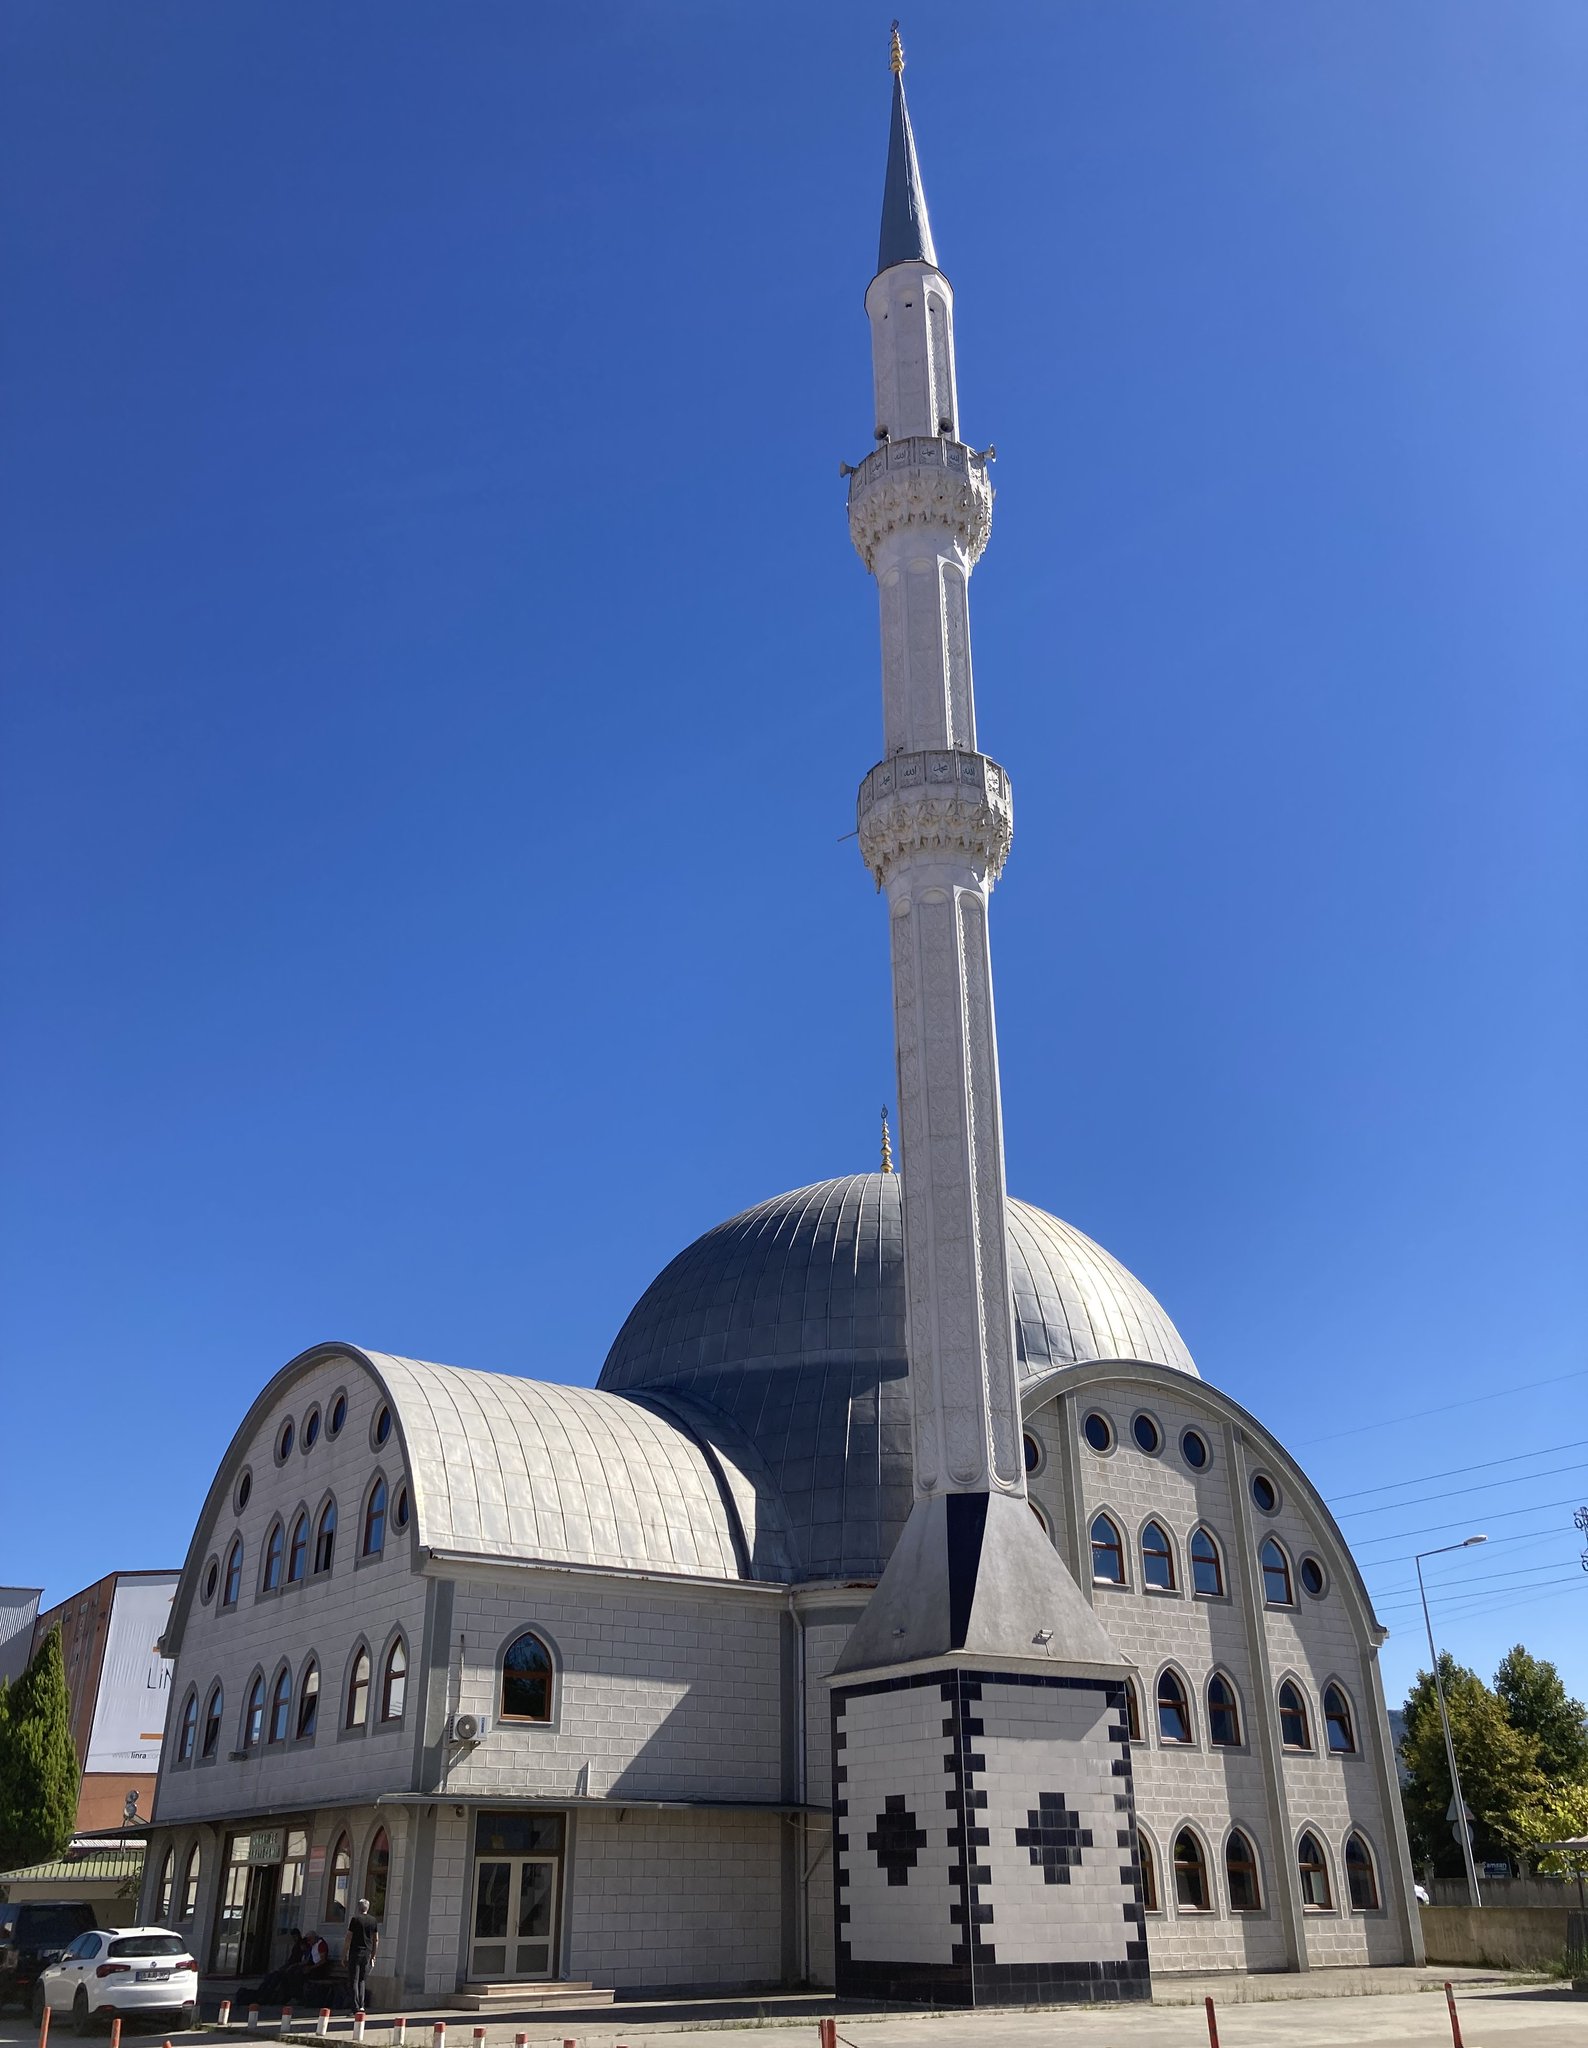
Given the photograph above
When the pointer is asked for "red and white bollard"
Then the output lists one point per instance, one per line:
(358, 2024)
(226, 2012)
(439, 2036)
(323, 2024)
(479, 2037)
(827, 2033)
(286, 2019)
(399, 2032)
(521, 2041)
(44, 2029)
(1213, 2024)
(253, 2019)
(115, 2030)
(1455, 2023)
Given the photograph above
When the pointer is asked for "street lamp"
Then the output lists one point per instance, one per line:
(1444, 1716)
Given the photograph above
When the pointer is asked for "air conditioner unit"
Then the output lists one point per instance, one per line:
(469, 1727)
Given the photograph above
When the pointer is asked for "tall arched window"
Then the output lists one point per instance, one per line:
(1207, 1567)
(1360, 1877)
(526, 1680)
(309, 1701)
(1240, 1874)
(1132, 1710)
(281, 1706)
(377, 1874)
(375, 1520)
(214, 1708)
(167, 1885)
(325, 1538)
(1108, 1552)
(298, 1551)
(273, 1545)
(394, 1684)
(1224, 1713)
(233, 1586)
(1190, 1873)
(1157, 1558)
(1149, 1873)
(254, 1715)
(1313, 1866)
(339, 1885)
(1276, 1575)
(1174, 1710)
(188, 1904)
(1294, 1732)
(1337, 1720)
(189, 1736)
(358, 1691)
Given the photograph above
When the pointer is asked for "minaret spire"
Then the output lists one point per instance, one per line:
(906, 231)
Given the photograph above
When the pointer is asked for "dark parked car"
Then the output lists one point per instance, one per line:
(34, 1934)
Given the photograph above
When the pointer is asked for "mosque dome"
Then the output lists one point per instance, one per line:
(789, 1318)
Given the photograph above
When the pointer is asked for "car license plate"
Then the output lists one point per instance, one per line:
(150, 1976)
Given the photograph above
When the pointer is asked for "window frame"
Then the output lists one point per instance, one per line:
(377, 1885)
(1203, 1534)
(192, 1872)
(232, 1574)
(360, 1684)
(305, 1693)
(280, 1710)
(339, 1860)
(165, 1890)
(1198, 1862)
(1247, 1865)
(553, 1689)
(1282, 1569)
(1307, 1872)
(1303, 1708)
(1368, 1861)
(214, 1714)
(254, 1713)
(1147, 1862)
(393, 1679)
(372, 1526)
(1116, 1548)
(298, 1549)
(1231, 1706)
(274, 1563)
(1165, 1555)
(325, 1540)
(1132, 1711)
(1345, 1716)
(188, 1728)
(1170, 1676)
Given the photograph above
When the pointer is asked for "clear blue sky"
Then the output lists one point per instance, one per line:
(437, 677)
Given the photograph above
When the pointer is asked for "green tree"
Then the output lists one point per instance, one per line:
(1535, 1700)
(1500, 1776)
(39, 1775)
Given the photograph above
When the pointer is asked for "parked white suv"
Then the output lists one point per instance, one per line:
(126, 1970)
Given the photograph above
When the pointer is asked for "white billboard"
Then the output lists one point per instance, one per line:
(134, 1679)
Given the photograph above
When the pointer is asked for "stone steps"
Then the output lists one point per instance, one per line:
(529, 1997)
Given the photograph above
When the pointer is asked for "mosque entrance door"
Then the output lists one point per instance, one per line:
(517, 1887)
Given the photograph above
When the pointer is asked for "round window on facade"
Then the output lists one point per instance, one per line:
(1265, 1492)
(311, 1429)
(338, 1416)
(1312, 1578)
(1098, 1431)
(382, 1426)
(1033, 1452)
(284, 1441)
(1194, 1449)
(400, 1511)
(212, 1572)
(1149, 1437)
(245, 1487)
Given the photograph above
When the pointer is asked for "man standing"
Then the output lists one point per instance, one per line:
(363, 1938)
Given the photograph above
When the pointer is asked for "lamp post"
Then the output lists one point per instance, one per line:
(1444, 1716)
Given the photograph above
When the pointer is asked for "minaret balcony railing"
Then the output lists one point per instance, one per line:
(944, 801)
(921, 480)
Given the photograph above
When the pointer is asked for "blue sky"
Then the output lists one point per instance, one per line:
(437, 678)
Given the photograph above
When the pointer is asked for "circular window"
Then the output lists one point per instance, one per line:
(338, 1415)
(400, 1511)
(245, 1487)
(1098, 1431)
(311, 1429)
(1265, 1492)
(1149, 1437)
(1312, 1578)
(212, 1572)
(284, 1441)
(383, 1425)
(1194, 1449)
(1033, 1452)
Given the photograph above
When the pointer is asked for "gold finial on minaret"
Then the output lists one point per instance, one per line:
(887, 1143)
(896, 66)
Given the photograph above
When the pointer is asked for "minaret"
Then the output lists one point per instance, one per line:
(977, 1652)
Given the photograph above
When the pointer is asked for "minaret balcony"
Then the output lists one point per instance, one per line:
(921, 480)
(944, 801)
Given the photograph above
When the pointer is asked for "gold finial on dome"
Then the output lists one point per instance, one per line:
(896, 60)
(887, 1143)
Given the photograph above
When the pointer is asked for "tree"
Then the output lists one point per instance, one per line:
(39, 1774)
(1536, 1701)
(1500, 1776)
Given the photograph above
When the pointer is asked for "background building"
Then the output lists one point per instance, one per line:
(117, 1681)
(19, 1609)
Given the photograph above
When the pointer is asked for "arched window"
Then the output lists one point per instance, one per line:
(1132, 1710)
(325, 1538)
(1224, 1713)
(273, 1543)
(1337, 1720)
(1240, 1874)
(162, 1898)
(189, 1735)
(393, 1685)
(298, 1551)
(1360, 1877)
(1294, 1732)
(358, 1691)
(339, 1885)
(309, 1701)
(281, 1706)
(190, 1884)
(526, 1680)
(1157, 1558)
(1313, 1866)
(215, 1707)
(254, 1715)
(1108, 1552)
(1190, 1873)
(233, 1587)
(1207, 1567)
(1276, 1575)
(1174, 1711)
(375, 1520)
(377, 1872)
(1149, 1874)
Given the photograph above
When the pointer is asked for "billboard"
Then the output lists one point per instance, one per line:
(134, 1679)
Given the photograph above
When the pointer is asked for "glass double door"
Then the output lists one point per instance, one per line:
(515, 1917)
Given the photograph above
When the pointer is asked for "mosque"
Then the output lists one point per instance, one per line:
(901, 1611)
